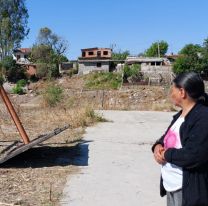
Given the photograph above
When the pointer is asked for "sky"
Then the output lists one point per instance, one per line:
(126, 24)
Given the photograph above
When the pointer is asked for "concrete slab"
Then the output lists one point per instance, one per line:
(120, 169)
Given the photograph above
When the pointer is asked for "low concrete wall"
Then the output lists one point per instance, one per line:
(140, 98)
(163, 73)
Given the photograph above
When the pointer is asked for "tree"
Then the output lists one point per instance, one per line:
(57, 43)
(157, 49)
(120, 55)
(205, 56)
(13, 25)
(192, 50)
(48, 52)
(190, 59)
(41, 53)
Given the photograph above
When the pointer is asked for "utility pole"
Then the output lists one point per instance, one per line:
(158, 48)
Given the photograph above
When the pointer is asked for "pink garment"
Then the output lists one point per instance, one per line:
(172, 140)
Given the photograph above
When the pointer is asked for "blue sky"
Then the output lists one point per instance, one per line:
(130, 25)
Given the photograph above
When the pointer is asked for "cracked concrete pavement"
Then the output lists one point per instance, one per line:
(117, 166)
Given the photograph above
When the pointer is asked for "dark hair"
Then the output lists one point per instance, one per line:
(193, 84)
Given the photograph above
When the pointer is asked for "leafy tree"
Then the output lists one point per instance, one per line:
(13, 24)
(120, 55)
(157, 49)
(192, 50)
(190, 59)
(57, 43)
(205, 56)
(48, 52)
(42, 54)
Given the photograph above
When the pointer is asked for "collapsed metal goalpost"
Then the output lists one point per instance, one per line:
(19, 147)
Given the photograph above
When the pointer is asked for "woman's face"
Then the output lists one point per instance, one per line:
(177, 95)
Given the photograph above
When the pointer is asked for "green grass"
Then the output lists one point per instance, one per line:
(104, 80)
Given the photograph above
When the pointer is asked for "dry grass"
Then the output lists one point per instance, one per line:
(37, 177)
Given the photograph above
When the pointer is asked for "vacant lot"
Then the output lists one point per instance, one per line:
(37, 177)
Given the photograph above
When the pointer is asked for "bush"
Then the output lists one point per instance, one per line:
(94, 117)
(13, 71)
(53, 95)
(42, 70)
(103, 80)
(22, 83)
(18, 90)
(131, 71)
(47, 70)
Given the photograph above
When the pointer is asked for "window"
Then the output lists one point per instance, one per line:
(105, 53)
(83, 54)
(158, 63)
(90, 53)
(152, 63)
(99, 64)
(98, 53)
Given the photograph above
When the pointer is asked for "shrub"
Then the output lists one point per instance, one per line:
(131, 71)
(13, 71)
(53, 95)
(103, 80)
(94, 117)
(45, 70)
(42, 70)
(22, 82)
(18, 90)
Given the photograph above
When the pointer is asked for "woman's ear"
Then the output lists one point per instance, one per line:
(183, 93)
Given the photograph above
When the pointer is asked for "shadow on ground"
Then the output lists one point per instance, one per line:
(47, 156)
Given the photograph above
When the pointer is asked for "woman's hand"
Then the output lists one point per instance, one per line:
(159, 154)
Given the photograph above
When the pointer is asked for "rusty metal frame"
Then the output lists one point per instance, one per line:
(14, 115)
(19, 147)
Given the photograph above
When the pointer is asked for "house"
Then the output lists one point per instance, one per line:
(21, 55)
(94, 59)
(147, 61)
(154, 68)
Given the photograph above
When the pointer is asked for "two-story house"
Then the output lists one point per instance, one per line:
(95, 59)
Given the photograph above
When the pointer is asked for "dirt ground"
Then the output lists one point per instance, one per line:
(37, 177)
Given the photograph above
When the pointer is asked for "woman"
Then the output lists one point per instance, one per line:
(183, 149)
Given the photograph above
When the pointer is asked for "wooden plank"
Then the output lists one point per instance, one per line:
(20, 147)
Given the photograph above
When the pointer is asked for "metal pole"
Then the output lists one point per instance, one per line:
(158, 47)
(14, 115)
